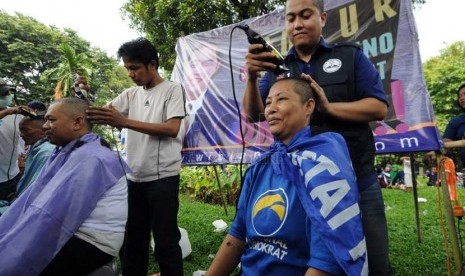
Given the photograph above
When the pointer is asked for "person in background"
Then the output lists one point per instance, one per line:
(152, 112)
(36, 107)
(9, 137)
(38, 152)
(394, 171)
(349, 95)
(408, 177)
(432, 176)
(384, 175)
(71, 220)
(379, 172)
(285, 205)
(381, 176)
(455, 129)
(398, 181)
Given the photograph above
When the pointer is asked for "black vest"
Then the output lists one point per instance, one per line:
(333, 70)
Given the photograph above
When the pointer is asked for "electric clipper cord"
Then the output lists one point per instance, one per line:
(254, 38)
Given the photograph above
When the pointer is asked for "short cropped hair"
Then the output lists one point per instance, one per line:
(139, 49)
(319, 4)
(301, 87)
(37, 105)
(75, 107)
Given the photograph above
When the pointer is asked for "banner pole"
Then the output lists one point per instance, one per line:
(415, 196)
(450, 218)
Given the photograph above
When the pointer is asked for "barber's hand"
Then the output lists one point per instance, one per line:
(82, 82)
(256, 60)
(13, 110)
(9, 111)
(323, 104)
(106, 116)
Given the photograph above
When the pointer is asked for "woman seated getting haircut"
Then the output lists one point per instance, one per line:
(298, 211)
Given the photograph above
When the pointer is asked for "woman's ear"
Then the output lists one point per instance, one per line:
(310, 107)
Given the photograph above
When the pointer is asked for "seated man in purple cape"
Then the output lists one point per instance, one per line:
(71, 219)
(298, 211)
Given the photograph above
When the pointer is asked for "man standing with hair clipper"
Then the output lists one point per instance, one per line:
(152, 112)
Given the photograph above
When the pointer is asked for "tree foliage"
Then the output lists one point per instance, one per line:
(29, 48)
(444, 74)
(163, 21)
(70, 65)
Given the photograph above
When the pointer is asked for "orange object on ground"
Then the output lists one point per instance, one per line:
(458, 211)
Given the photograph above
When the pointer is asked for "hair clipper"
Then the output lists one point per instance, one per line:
(29, 112)
(78, 91)
(255, 38)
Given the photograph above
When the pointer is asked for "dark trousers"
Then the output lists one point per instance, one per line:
(153, 207)
(76, 258)
(375, 228)
(9, 187)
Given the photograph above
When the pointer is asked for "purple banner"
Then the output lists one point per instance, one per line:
(386, 32)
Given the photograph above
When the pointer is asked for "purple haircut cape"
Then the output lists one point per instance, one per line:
(39, 223)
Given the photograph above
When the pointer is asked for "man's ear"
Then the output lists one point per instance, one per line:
(323, 18)
(153, 64)
(78, 123)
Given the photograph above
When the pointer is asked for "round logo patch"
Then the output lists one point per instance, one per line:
(270, 212)
(332, 65)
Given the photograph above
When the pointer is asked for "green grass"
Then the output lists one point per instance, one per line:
(197, 218)
(408, 255)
